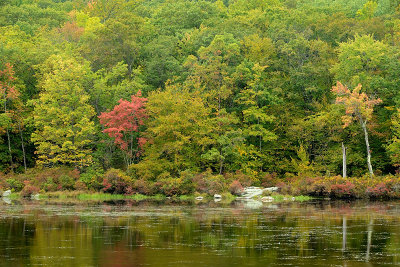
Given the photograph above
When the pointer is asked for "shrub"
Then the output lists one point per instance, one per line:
(29, 190)
(49, 185)
(269, 180)
(345, 190)
(236, 188)
(200, 182)
(215, 184)
(244, 179)
(142, 187)
(284, 188)
(116, 181)
(67, 182)
(339, 187)
(80, 186)
(380, 190)
(170, 186)
(14, 184)
(207, 183)
(93, 178)
(40, 176)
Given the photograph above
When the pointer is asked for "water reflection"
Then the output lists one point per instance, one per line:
(148, 234)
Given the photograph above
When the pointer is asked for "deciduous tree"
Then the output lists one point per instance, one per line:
(62, 114)
(123, 123)
(359, 107)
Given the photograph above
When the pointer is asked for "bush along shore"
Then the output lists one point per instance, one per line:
(114, 184)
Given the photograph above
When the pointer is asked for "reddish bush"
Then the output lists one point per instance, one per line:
(244, 179)
(50, 185)
(107, 186)
(200, 183)
(173, 186)
(80, 186)
(378, 191)
(269, 179)
(129, 191)
(208, 183)
(343, 190)
(116, 181)
(284, 188)
(29, 190)
(236, 188)
(142, 187)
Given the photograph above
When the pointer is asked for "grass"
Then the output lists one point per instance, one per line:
(14, 196)
(186, 198)
(282, 198)
(81, 195)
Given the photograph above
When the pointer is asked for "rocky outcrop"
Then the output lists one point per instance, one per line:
(252, 191)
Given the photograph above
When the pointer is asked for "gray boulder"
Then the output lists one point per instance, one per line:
(7, 193)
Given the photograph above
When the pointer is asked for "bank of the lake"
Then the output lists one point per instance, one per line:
(65, 182)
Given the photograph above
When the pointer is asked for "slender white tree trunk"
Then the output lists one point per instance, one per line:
(9, 150)
(369, 239)
(8, 135)
(364, 127)
(22, 145)
(344, 234)
(344, 151)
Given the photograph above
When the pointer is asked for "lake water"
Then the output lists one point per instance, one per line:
(171, 234)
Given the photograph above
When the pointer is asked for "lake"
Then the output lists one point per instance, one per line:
(317, 233)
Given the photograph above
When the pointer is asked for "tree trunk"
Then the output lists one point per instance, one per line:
(8, 135)
(369, 239)
(344, 234)
(22, 145)
(221, 163)
(344, 151)
(364, 126)
(9, 149)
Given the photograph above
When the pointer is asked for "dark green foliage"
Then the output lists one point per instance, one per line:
(239, 92)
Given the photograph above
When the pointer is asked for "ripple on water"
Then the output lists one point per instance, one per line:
(334, 234)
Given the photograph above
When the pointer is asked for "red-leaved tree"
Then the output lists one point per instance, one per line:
(123, 123)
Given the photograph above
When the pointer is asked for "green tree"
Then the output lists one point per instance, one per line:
(178, 132)
(371, 63)
(62, 114)
(393, 148)
(255, 120)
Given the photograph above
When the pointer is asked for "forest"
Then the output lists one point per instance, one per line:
(184, 96)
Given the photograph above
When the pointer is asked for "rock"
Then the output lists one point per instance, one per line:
(216, 196)
(252, 191)
(7, 200)
(199, 198)
(35, 196)
(271, 189)
(252, 204)
(7, 193)
(267, 199)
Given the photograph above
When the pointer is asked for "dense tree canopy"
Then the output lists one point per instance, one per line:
(228, 86)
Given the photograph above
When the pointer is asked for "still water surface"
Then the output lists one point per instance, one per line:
(151, 234)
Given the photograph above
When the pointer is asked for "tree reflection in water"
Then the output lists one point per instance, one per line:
(140, 234)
